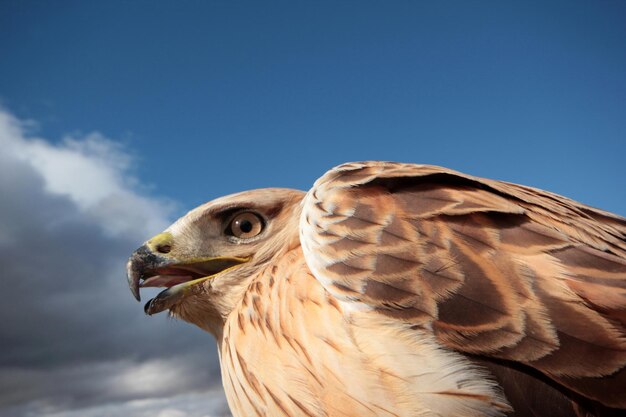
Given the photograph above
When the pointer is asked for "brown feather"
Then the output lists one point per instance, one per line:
(497, 269)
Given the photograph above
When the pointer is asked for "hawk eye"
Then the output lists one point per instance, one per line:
(245, 225)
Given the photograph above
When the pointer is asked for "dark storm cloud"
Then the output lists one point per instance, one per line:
(72, 335)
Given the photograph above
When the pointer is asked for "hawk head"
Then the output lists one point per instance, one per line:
(206, 259)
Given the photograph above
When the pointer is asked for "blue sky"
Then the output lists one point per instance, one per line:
(118, 116)
(215, 97)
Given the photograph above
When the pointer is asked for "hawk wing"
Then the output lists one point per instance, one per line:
(491, 268)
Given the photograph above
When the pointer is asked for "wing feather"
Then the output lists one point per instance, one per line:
(493, 268)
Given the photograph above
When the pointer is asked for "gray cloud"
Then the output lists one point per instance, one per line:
(72, 336)
(209, 403)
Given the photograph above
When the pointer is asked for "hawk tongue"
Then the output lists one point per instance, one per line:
(165, 280)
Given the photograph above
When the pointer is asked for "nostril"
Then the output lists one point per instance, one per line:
(164, 248)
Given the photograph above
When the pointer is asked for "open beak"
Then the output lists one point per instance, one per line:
(146, 268)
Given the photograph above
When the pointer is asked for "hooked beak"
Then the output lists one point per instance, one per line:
(149, 268)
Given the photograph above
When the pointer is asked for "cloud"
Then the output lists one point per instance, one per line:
(92, 172)
(211, 403)
(72, 336)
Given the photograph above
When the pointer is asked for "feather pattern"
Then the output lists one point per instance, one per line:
(490, 268)
(289, 351)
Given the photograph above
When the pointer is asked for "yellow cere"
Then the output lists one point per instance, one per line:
(161, 239)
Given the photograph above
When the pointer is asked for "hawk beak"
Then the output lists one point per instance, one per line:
(151, 266)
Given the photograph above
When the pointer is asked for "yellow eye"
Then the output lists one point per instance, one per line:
(245, 225)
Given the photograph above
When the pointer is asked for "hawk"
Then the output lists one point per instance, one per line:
(393, 289)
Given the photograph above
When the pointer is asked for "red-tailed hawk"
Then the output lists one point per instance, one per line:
(402, 290)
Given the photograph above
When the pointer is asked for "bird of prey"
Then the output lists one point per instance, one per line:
(393, 289)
